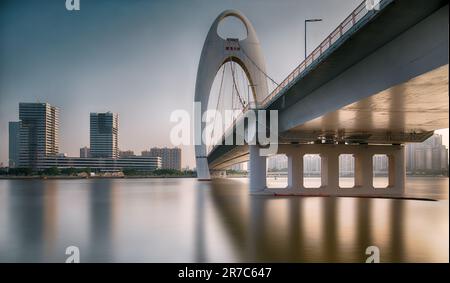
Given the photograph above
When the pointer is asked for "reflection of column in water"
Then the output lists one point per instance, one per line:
(330, 223)
(235, 215)
(363, 228)
(256, 243)
(296, 232)
(397, 211)
(199, 245)
(101, 218)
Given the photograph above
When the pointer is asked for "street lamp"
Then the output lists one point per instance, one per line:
(309, 21)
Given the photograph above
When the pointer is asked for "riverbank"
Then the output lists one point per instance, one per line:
(91, 177)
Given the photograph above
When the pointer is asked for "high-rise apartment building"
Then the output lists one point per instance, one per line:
(170, 157)
(38, 136)
(126, 153)
(312, 165)
(14, 144)
(104, 135)
(429, 157)
(85, 152)
(277, 162)
(346, 165)
(237, 167)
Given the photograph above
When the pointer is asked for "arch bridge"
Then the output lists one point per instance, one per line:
(377, 82)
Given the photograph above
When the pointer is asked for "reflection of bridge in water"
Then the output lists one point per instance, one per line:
(378, 81)
(178, 220)
(307, 229)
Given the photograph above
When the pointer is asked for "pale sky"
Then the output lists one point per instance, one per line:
(137, 57)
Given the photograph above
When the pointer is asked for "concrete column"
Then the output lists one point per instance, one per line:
(257, 166)
(391, 169)
(329, 154)
(295, 172)
(397, 170)
(364, 170)
(330, 171)
(324, 170)
(203, 173)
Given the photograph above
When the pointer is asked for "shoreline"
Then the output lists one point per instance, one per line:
(145, 177)
(93, 177)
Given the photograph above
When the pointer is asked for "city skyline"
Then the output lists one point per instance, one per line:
(34, 140)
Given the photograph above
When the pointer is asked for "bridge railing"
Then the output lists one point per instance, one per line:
(339, 32)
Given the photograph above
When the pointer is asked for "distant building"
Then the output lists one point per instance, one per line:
(346, 165)
(38, 133)
(380, 164)
(237, 167)
(170, 157)
(126, 153)
(14, 144)
(137, 163)
(104, 135)
(429, 157)
(312, 165)
(277, 162)
(85, 152)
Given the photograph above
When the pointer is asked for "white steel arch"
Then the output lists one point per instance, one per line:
(216, 52)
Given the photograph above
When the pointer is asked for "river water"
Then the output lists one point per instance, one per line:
(183, 220)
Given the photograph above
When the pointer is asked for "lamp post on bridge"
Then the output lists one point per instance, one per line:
(309, 21)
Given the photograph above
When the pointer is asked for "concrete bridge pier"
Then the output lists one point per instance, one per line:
(257, 168)
(329, 153)
(295, 172)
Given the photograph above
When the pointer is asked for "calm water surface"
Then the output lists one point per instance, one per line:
(183, 220)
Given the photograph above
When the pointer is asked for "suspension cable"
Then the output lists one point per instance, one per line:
(245, 83)
(235, 85)
(256, 65)
(218, 101)
(233, 104)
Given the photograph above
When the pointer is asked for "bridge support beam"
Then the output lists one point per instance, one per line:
(363, 170)
(257, 168)
(295, 172)
(330, 185)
